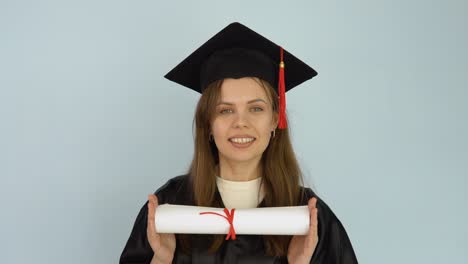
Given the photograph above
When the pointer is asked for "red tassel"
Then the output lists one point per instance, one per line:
(282, 123)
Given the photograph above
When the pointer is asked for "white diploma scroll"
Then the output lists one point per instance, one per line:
(182, 219)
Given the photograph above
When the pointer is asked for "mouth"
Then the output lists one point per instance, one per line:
(241, 142)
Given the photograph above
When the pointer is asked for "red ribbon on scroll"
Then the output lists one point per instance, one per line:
(230, 218)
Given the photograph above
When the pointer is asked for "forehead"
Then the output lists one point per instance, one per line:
(242, 89)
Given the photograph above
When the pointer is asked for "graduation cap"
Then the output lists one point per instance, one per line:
(237, 51)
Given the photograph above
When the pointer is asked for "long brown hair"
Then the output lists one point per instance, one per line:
(280, 172)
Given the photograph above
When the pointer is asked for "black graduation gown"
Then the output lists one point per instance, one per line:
(333, 246)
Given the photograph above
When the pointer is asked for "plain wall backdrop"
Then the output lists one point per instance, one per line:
(89, 126)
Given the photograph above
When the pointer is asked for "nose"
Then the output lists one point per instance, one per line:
(240, 120)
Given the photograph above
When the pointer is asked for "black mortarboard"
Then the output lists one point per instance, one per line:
(236, 52)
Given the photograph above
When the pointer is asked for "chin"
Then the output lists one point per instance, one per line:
(241, 157)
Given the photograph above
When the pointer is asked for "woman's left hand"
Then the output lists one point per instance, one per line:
(301, 248)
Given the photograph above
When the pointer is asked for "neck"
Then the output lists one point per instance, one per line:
(239, 171)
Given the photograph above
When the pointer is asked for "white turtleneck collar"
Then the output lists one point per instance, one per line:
(240, 194)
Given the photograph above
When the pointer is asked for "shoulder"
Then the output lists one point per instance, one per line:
(334, 244)
(137, 248)
(175, 191)
(326, 214)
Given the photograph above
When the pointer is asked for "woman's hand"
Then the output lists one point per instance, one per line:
(163, 245)
(301, 248)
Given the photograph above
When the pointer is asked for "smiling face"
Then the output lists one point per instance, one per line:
(243, 121)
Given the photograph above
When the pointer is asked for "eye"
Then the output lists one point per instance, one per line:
(256, 109)
(225, 111)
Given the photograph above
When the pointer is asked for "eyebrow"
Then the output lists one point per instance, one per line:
(249, 102)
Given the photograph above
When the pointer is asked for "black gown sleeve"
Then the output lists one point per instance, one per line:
(334, 245)
(137, 250)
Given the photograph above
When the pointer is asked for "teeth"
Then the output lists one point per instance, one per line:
(242, 140)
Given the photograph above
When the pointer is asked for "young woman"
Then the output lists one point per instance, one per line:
(243, 159)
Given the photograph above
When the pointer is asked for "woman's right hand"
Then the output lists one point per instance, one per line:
(163, 245)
